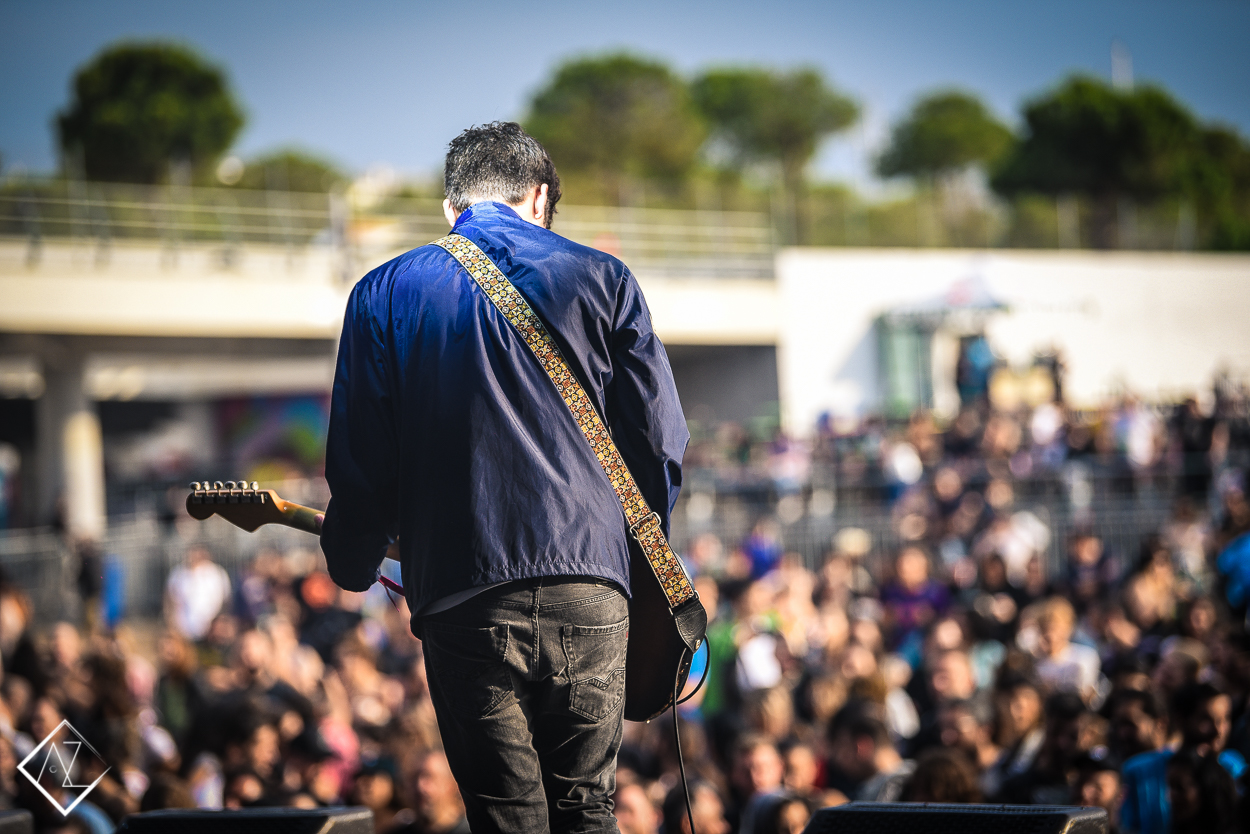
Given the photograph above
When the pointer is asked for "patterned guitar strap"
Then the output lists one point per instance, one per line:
(644, 523)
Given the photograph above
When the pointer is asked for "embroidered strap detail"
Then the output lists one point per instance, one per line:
(644, 525)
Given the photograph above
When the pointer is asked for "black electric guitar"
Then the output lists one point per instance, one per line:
(657, 660)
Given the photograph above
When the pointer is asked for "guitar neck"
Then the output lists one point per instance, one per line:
(250, 507)
(298, 516)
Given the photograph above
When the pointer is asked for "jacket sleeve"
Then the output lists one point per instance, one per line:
(644, 413)
(360, 451)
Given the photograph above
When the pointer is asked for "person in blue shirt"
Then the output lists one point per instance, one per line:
(449, 443)
(1202, 714)
(1202, 793)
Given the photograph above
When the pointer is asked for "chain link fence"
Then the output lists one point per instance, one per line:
(139, 552)
(1122, 523)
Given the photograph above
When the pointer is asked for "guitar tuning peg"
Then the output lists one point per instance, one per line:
(243, 483)
(230, 485)
(195, 485)
(218, 485)
(255, 486)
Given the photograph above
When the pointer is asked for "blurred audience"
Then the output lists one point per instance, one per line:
(990, 655)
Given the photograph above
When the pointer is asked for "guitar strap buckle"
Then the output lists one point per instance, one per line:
(636, 530)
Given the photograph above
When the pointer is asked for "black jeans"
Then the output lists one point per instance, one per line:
(528, 682)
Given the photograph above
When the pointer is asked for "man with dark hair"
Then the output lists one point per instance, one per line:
(758, 778)
(450, 443)
(1097, 784)
(432, 792)
(1201, 713)
(1046, 782)
(860, 748)
(500, 162)
(968, 726)
(634, 811)
(1138, 722)
(705, 805)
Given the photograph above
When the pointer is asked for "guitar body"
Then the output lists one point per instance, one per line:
(656, 654)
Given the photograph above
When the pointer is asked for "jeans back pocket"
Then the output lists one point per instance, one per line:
(596, 657)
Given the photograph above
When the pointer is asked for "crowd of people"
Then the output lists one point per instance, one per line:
(954, 669)
(1126, 445)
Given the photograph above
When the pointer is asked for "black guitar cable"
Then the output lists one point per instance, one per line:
(681, 763)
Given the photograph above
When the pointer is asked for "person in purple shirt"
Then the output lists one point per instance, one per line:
(913, 600)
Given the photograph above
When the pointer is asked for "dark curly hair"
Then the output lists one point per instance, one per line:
(943, 775)
(498, 160)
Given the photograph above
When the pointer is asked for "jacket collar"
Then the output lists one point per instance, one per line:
(486, 211)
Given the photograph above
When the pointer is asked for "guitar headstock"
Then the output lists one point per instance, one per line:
(242, 504)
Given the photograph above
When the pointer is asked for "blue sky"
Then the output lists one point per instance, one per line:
(388, 82)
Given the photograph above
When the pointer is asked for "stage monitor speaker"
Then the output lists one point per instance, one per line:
(16, 822)
(252, 821)
(932, 818)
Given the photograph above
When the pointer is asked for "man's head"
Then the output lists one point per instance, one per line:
(500, 161)
(855, 742)
(1202, 713)
(1065, 714)
(374, 788)
(951, 677)
(1055, 621)
(434, 792)
(758, 765)
(1020, 708)
(1097, 782)
(912, 568)
(1181, 663)
(943, 775)
(1138, 722)
(966, 725)
(802, 768)
(634, 812)
(705, 806)
(1086, 548)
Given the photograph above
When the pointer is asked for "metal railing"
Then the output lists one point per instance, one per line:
(138, 554)
(139, 551)
(1121, 523)
(713, 244)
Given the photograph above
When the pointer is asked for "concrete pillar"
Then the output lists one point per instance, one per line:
(69, 448)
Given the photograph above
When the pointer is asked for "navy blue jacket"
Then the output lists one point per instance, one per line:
(446, 432)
